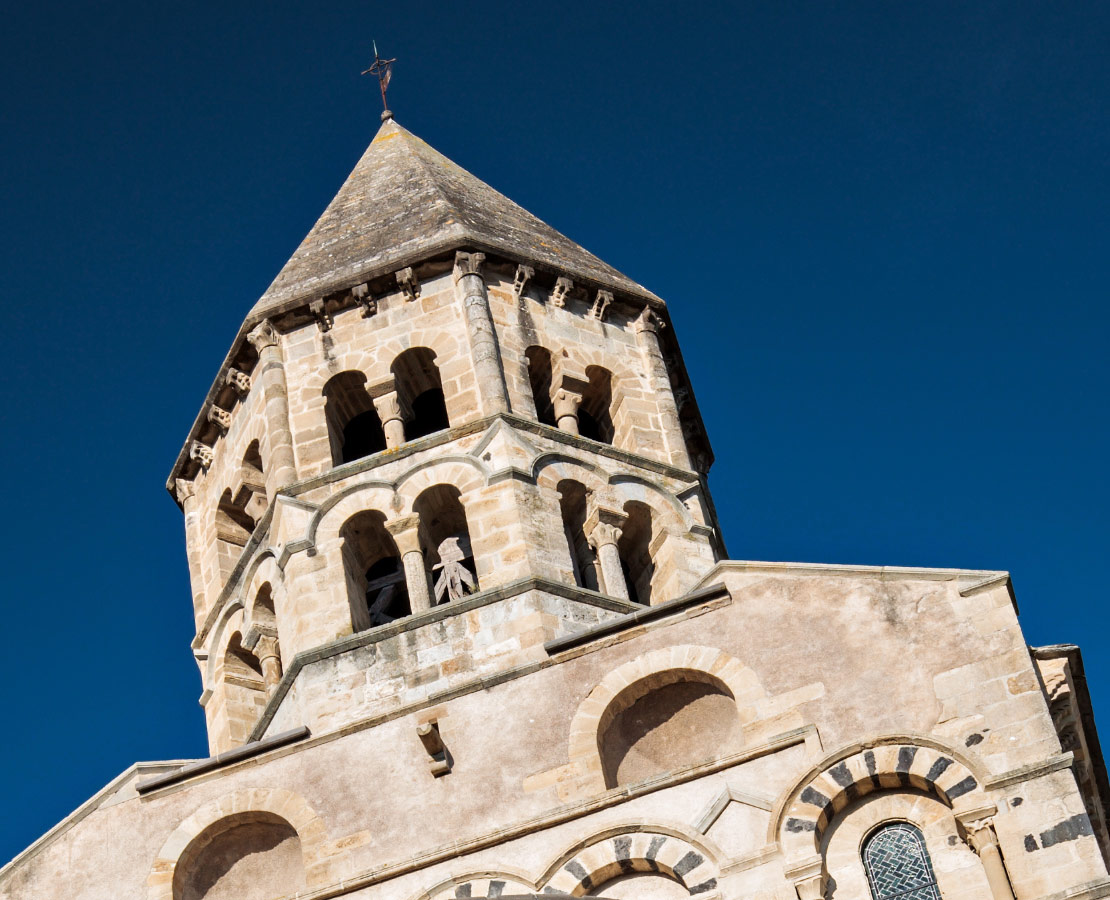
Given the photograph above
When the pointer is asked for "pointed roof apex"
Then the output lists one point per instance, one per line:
(405, 201)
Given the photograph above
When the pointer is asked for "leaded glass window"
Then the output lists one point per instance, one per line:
(898, 865)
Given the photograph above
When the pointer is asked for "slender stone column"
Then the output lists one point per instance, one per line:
(648, 326)
(566, 405)
(270, 377)
(186, 492)
(268, 656)
(388, 405)
(981, 837)
(406, 535)
(471, 288)
(603, 531)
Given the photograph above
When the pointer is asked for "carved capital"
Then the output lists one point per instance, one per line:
(184, 490)
(563, 287)
(388, 406)
(239, 382)
(600, 305)
(201, 453)
(524, 274)
(405, 532)
(649, 320)
(809, 879)
(603, 526)
(366, 300)
(221, 418)
(320, 313)
(263, 335)
(566, 403)
(976, 826)
(408, 282)
(468, 264)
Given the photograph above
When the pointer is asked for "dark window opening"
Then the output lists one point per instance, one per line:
(362, 436)
(595, 415)
(634, 548)
(572, 504)
(429, 415)
(387, 595)
(539, 377)
(354, 429)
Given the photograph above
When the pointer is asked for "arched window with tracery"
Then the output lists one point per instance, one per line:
(898, 865)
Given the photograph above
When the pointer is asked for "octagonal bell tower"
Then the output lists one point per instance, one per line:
(445, 435)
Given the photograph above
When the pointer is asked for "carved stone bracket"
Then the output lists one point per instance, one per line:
(563, 286)
(221, 418)
(366, 300)
(239, 382)
(439, 764)
(263, 335)
(468, 264)
(649, 320)
(185, 490)
(809, 879)
(524, 274)
(408, 282)
(201, 453)
(600, 305)
(320, 313)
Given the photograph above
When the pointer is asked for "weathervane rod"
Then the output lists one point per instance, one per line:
(383, 68)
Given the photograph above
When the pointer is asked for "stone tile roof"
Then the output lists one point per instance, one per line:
(405, 201)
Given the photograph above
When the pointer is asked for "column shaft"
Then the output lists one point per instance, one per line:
(674, 441)
(269, 377)
(492, 392)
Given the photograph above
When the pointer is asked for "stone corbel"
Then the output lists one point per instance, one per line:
(239, 382)
(440, 763)
(468, 264)
(320, 313)
(367, 301)
(184, 490)
(601, 305)
(263, 335)
(201, 453)
(408, 283)
(649, 320)
(221, 418)
(563, 287)
(524, 274)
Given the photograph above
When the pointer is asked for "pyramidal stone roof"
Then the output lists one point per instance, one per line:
(405, 201)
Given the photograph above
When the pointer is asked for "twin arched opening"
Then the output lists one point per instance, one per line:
(365, 419)
(583, 404)
(239, 509)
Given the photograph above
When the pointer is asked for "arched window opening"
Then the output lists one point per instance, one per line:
(539, 376)
(255, 856)
(421, 392)
(595, 415)
(682, 722)
(572, 504)
(263, 611)
(250, 494)
(244, 689)
(240, 662)
(354, 428)
(445, 540)
(234, 527)
(898, 864)
(375, 577)
(634, 548)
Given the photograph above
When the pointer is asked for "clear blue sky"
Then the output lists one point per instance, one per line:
(881, 227)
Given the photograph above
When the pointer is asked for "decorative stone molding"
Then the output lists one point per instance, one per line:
(320, 313)
(201, 453)
(468, 264)
(563, 287)
(263, 335)
(524, 274)
(239, 382)
(439, 763)
(644, 850)
(601, 305)
(408, 283)
(221, 418)
(895, 763)
(366, 300)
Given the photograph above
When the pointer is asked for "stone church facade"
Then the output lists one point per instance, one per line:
(466, 625)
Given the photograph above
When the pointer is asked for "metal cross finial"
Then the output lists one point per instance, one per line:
(383, 68)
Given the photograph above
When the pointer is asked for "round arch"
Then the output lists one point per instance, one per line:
(231, 810)
(903, 762)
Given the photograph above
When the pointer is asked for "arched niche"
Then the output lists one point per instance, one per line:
(250, 856)
(675, 718)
